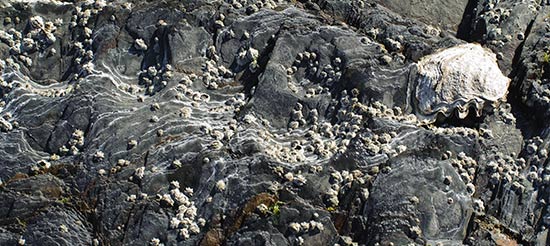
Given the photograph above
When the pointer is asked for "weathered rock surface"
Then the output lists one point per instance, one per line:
(270, 123)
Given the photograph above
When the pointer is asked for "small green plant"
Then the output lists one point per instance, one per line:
(276, 208)
(546, 57)
(65, 200)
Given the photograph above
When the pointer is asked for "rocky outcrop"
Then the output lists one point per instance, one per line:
(271, 123)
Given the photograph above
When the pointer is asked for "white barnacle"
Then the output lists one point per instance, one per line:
(333, 199)
(531, 148)
(21, 241)
(479, 206)
(300, 240)
(252, 54)
(89, 54)
(131, 198)
(174, 223)
(305, 226)
(289, 176)
(62, 150)
(246, 35)
(249, 118)
(217, 134)
(87, 32)
(154, 242)
(365, 194)
(7, 20)
(456, 79)
(36, 22)
(191, 211)
(155, 107)
(152, 71)
(532, 176)
(470, 188)
(176, 164)
(58, 22)
(184, 233)
(5, 125)
(35, 169)
(99, 155)
(401, 148)
(88, 67)
(162, 22)
(43, 164)
(219, 23)
(63, 228)
(314, 225)
(202, 222)
(26, 60)
(293, 124)
(220, 185)
(289, 71)
(28, 44)
(175, 184)
(139, 172)
(185, 112)
(179, 197)
(143, 196)
(188, 191)
(99, 4)
(166, 198)
(194, 228)
(102, 172)
(204, 97)
(78, 45)
(140, 44)
(300, 180)
(295, 227)
(122, 162)
(127, 5)
(262, 208)
(132, 143)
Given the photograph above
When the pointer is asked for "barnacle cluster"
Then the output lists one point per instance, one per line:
(337, 138)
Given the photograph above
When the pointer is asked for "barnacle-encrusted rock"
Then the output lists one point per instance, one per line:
(458, 78)
(272, 122)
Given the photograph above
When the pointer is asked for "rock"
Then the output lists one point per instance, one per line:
(272, 123)
(484, 19)
(445, 16)
(445, 222)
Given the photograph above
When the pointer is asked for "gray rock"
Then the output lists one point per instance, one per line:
(265, 123)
